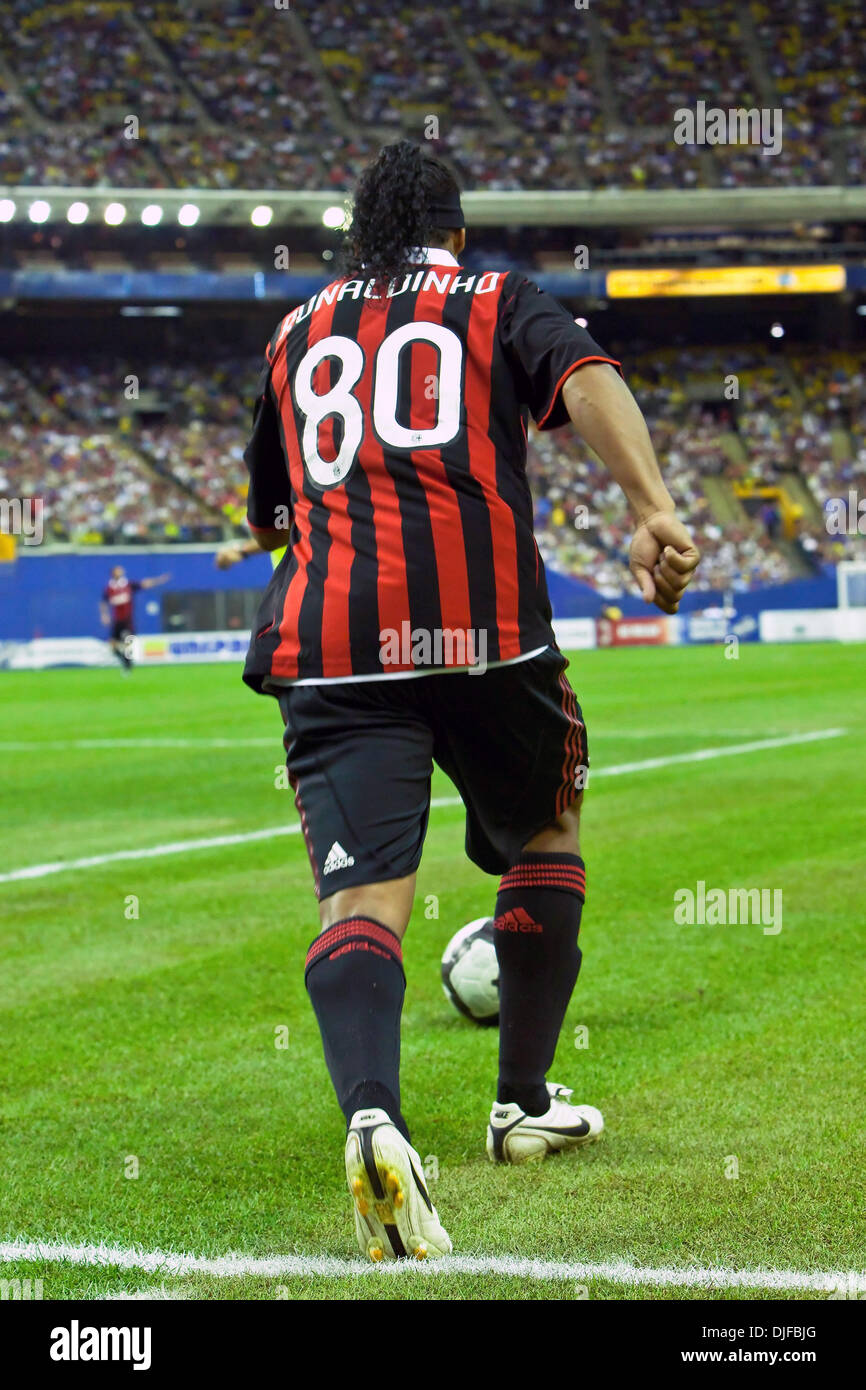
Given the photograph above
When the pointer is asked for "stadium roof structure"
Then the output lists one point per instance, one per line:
(735, 207)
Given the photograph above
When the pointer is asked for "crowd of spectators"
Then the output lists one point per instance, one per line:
(188, 422)
(807, 48)
(246, 94)
(156, 450)
(86, 62)
(666, 56)
(93, 485)
(243, 63)
(68, 437)
(396, 63)
(832, 441)
(536, 64)
(583, 525)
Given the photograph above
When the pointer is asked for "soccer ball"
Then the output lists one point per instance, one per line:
(470, 972)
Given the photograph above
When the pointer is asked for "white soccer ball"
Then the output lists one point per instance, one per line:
(470, 971)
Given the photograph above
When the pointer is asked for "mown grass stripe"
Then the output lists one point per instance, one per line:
(34, 871)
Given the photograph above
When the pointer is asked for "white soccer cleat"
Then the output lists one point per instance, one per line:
(515, 1137)
(394, 1217)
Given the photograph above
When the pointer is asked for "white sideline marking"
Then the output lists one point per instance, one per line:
(701, 755)
(248, 836)
(329, 1267)
(175, 847)
(151, 1294)
(108, 744)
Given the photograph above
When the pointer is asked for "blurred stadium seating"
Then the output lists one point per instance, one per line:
(239, 96)
(174, 471)
(227, 98)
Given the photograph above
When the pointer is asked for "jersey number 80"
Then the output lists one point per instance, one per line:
(340, 401)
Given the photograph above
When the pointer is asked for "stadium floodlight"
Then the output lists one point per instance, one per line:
(114, 214)
(39, 211)
(188, 215)
(7, 209)
(861, 308)
(77, 213)
(777, 331)
(334, 217)
(151, 215)
(261, 216)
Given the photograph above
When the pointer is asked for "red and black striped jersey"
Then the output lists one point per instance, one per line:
(118, 594)
(389, 437)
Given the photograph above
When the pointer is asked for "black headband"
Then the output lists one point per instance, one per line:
(446, 212)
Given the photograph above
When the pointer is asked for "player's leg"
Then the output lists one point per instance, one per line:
(118, 642)
(355, 980)
(389, 902)
(537, 920)
(115, 641)
(521, 772)
(360, 762)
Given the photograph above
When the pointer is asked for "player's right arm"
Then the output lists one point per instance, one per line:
(561, 373)
(663, 556)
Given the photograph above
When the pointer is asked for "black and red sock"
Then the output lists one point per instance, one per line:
(354, 977)
(537, 920)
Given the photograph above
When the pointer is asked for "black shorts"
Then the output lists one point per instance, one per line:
(360, 756)
(120, 630)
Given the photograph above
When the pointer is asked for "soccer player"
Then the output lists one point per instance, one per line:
(409, 623)
(116, 610)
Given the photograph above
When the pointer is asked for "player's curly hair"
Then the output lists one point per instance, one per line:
(390, 218)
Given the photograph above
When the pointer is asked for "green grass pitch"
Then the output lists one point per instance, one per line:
(148, 1044)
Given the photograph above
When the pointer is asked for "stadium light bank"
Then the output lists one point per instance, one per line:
(484, 208)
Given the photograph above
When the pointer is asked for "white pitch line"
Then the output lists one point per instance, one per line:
(150, 1295)
(33, 871)
(58, 866)
(110, 744)
(701, 755)
(329, 1267)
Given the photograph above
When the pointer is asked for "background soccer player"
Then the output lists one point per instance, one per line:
(391, 426)
(116, 610)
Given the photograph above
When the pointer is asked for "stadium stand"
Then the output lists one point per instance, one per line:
(169, 464)
(243, 95)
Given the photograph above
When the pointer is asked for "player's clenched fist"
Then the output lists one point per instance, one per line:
(663, 557)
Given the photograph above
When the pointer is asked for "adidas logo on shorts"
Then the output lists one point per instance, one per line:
(337, 859)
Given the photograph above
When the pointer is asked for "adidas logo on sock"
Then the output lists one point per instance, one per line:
(337, 859)
(517, 919)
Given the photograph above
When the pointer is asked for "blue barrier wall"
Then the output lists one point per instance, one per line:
(573, 598)
(58, 595)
